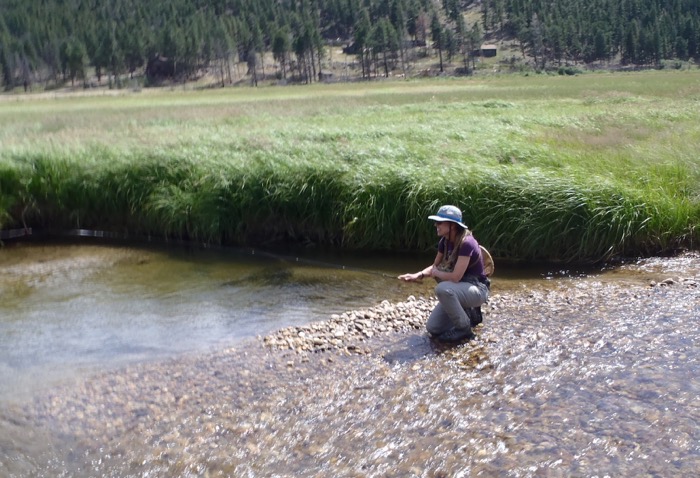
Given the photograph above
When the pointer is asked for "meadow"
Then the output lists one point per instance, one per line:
(558, 168)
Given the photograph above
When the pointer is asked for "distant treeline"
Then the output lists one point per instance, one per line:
(55, 41)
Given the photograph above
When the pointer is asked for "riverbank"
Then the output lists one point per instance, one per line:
(579, 376)
(574, 170)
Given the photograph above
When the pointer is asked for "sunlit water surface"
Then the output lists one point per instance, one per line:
(571, 375)
(67, 309)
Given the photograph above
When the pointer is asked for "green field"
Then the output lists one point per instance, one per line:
(581, 168)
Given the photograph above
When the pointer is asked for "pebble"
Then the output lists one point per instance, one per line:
(351, 329)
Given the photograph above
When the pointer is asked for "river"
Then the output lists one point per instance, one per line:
(572, 374)
(69, 308)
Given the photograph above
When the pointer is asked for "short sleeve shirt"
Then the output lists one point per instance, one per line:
(469, 248)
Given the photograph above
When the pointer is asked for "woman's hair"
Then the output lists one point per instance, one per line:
(459, 238)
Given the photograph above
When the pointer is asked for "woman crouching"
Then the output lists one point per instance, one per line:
(459, 270)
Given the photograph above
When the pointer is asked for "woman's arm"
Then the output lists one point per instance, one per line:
(458, 272)
(427, 272)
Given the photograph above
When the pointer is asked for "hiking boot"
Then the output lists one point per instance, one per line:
(475, 317)
(456, 335)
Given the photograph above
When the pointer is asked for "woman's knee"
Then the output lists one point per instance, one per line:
(484, 294)
(466, 293)
(444, 289)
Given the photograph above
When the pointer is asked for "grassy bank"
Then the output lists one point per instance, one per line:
(559, 168)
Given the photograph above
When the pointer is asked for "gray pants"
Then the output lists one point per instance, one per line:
(454, 298)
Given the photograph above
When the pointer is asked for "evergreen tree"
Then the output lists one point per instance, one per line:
(134, 39)
(51, 58)
(436, 30)
(462, 41)
(398, 22)
(120, 35)
(108, 55)
(302, 46)
(691, 33)
(6, 63)
(536, 42)
(254, 48)
(361, 40)
(556, 44)
(171, 45)
(600, 50)
(474, 42)
(384, 42)
(450, 41)
(281, 46)
(74, 59)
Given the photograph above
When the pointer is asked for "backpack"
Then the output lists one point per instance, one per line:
(487, 260)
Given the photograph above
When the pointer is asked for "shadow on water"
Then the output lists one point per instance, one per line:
(414, 347)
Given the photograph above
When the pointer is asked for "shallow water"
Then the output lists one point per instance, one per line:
(66, 309)
(569, 376)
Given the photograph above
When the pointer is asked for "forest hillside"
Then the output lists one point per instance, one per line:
(48, 44)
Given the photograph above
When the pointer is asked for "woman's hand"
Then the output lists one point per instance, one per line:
(411, 277)
(416, 277)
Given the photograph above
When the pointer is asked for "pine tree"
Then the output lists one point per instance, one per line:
(384, 41)
(436, 30)
(537, 42)
(5, 63)
(74, 59)
(134, 39)
(361, 41)
(281, 46)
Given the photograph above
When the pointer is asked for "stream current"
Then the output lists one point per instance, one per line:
(570, 375)
(67, 309)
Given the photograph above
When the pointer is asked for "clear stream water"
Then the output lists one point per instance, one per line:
(575, 374)
(68, 309)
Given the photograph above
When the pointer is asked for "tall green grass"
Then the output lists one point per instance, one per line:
(571, 169)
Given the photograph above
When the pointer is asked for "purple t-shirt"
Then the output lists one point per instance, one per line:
(469, 248)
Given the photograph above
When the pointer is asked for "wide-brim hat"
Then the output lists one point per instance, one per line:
(449, 213)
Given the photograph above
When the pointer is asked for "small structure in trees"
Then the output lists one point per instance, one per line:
(488, 50)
